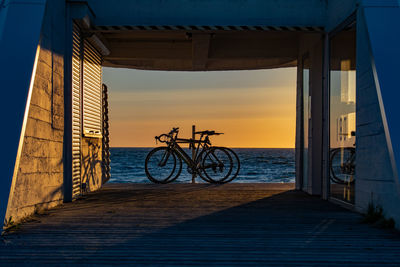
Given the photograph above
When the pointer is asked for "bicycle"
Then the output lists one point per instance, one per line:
(342, 165)
(212, 164)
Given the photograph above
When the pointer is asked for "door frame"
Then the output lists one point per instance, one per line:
(349, 21)
(301, 161)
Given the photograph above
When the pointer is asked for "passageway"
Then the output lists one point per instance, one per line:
(186, 224)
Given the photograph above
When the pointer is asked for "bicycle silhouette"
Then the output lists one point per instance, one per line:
(213, 164)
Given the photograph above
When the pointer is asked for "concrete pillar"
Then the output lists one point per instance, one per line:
(378, 125)
(18, 50)
(311, 45)
(316, 89)
(384, 38)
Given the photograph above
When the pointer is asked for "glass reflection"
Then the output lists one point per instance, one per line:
(343, 114)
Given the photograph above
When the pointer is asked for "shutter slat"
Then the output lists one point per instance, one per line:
(92, 94)
(92, 107)
(76, 112)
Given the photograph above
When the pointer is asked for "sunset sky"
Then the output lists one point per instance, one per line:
(253, 108)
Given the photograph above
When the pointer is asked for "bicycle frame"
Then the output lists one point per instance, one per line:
(201, 144)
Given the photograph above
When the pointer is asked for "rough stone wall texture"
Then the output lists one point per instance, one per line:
(39, 181)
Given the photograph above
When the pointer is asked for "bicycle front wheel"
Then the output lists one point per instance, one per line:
(342, 165)
(162, 165)
(217, 165)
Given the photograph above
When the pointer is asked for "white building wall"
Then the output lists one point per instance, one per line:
(375, 182)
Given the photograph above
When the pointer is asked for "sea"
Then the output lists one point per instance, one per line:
(257, 165)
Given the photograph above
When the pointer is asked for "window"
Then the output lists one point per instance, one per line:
(343, 114)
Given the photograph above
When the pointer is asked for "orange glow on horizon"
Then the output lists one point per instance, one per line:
(255, 117)
(237, 133)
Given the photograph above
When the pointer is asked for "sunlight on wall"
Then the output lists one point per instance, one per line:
(252, 108)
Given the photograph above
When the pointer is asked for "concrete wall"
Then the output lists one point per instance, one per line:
(39, 180)
(3, 16)
(210, 12)
(18, 58)
(338, 11)
(375, 180)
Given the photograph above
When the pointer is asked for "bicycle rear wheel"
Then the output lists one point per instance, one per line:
(217, 165)
(162, 166)
(235, 165)
(199, 162)
(342, 165)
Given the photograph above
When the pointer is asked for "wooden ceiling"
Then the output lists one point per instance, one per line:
(200, 50)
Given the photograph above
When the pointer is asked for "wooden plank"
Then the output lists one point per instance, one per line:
(199, 224)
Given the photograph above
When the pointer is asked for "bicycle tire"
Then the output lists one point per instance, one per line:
(199, 162)
(214, 162)
(179, 169)
(338, 156)
(235, 173)
(153, 168)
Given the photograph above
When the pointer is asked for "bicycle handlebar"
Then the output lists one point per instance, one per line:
(158, 138)
(208, 133)
(169, 135)
(174, 130)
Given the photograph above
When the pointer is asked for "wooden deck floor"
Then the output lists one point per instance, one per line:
(184, 224)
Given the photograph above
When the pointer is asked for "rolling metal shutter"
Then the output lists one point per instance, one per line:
(92, 92)
(76, 112)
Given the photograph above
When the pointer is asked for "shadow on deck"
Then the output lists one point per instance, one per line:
(184, 224)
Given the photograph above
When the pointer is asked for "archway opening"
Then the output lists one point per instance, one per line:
(255, 109)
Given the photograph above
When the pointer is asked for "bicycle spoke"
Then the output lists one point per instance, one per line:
(160, 165)
(217, 165)
(235, 163)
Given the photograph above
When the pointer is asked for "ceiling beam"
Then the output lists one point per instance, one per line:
(203, 48)
(200, 48)
(150, 49)
(212, 64)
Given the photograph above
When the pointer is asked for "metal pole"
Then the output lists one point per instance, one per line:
(193, 152)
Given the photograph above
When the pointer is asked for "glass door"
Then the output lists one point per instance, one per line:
(343, 114)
